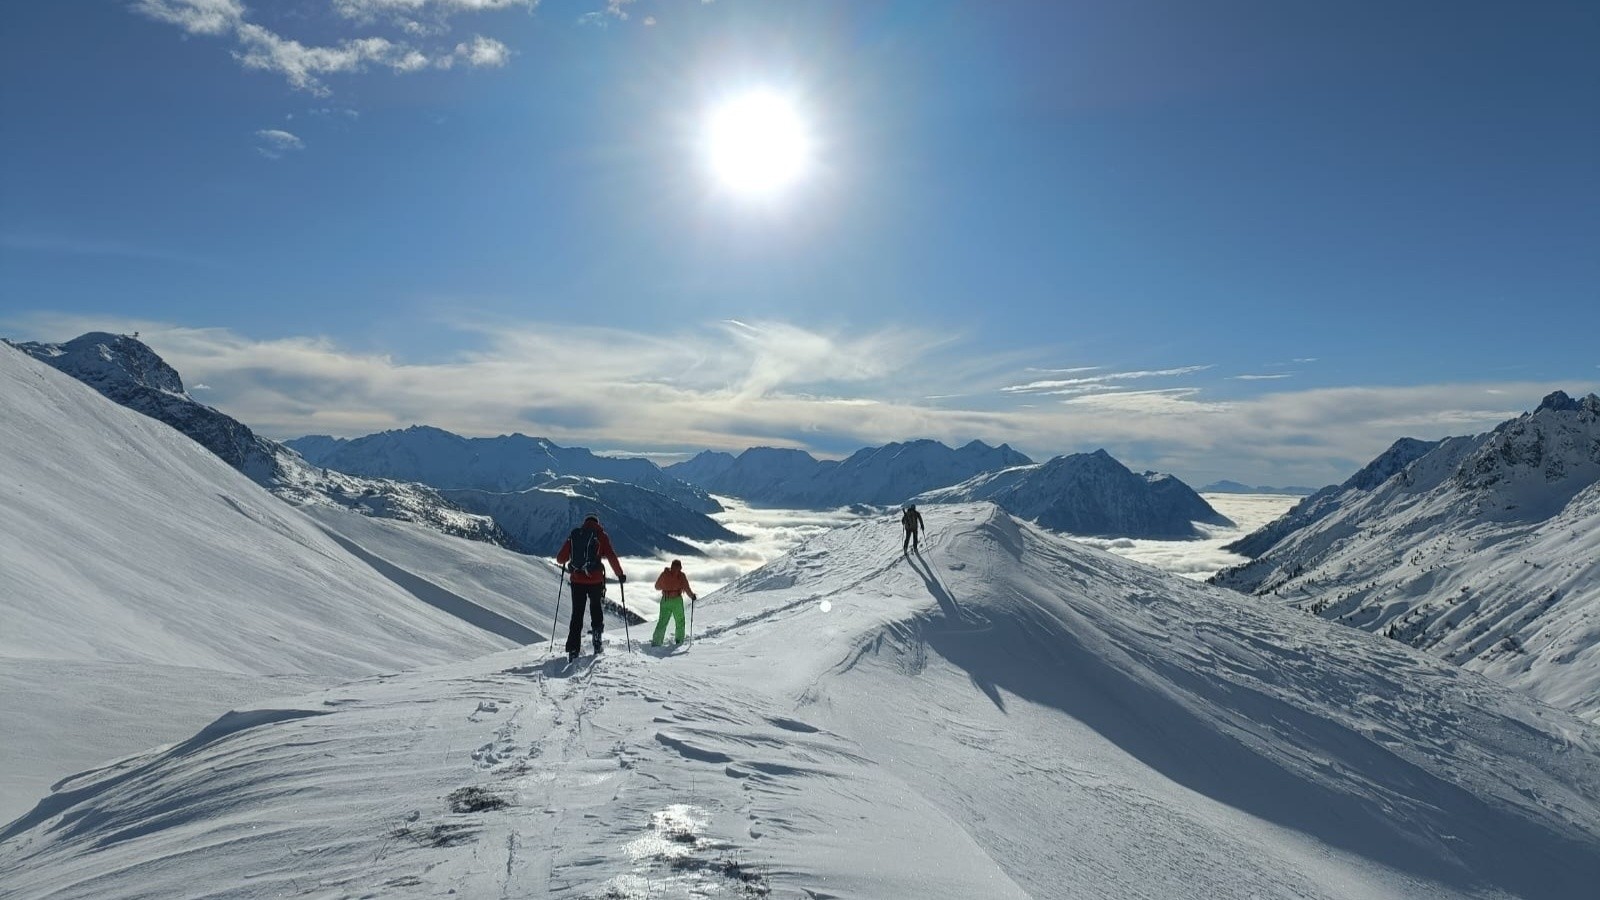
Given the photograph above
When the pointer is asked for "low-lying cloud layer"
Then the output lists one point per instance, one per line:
(732, 385)
(770, 533)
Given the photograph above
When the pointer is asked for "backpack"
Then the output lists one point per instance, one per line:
(585, 551)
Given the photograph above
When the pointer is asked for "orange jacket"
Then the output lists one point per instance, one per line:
(674, 584)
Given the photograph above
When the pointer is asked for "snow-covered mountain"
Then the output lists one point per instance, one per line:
(1482, 550)
(1233, 487)
(702, 467)
(757, 475)
(1329, 500)
(640, 522)
(1088, 494)
(148, 586)
(1009, 714)
(873, 476)
(129, 373)
(505, 464)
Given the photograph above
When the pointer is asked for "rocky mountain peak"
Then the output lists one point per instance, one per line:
(107, 360)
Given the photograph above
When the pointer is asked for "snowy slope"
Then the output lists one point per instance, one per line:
(1008, 715)
(124, 541)
(1484, 551)
(129, 373)
(1088, 494)
(148, 586)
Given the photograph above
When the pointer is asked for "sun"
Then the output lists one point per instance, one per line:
(757, 143)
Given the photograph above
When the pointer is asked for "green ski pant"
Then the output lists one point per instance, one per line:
(671, 608)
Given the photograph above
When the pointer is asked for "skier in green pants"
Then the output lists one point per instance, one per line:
(672, 584)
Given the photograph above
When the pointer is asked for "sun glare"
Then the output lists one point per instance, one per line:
(757, 143)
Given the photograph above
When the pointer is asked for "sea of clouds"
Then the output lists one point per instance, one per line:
(770, 533)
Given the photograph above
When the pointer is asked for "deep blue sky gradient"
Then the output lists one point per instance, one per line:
(1408, 193)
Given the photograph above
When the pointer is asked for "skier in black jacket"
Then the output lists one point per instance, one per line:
(912, 520)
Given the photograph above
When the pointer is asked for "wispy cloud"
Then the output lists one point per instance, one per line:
(780, 384)
(305, 66)
(195, 16)
(1273, 377)
(273, 143)
(614, 10)
(1074, 385)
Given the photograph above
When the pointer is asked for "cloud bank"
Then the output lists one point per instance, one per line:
(732, 385)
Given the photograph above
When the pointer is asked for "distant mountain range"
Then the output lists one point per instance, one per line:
(1484, 550)
(1089, 494)
(535, 489)
(421, 475)
(874, 476)
(1234, 487)
(129, 373)
(504, 464)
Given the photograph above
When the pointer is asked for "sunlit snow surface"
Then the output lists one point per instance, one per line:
(1007, 714)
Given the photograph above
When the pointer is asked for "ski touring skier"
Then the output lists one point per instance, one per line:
(912, 522)
(673, 584)
(582, 556)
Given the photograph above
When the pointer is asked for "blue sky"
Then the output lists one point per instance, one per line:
(1244, 239)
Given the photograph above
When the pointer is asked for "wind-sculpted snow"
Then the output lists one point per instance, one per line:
(1484, 551)
(1007, 714)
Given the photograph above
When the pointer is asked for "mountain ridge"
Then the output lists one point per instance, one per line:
(1481, 549)
(131, 374)
(1089, 494)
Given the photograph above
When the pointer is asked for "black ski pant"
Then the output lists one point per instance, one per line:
(911, 539)
(595, 594)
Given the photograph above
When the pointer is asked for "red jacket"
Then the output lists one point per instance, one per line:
(606, 553)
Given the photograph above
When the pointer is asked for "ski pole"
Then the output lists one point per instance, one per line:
(561, 576)
(626, 633)
(692, 599)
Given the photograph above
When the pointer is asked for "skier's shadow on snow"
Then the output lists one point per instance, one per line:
(959, 620)
(940, 593)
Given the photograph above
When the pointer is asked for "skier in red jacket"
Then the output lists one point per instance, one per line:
(582, 555)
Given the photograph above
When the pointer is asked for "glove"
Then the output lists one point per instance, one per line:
(622, 579)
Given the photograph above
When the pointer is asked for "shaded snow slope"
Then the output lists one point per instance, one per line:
(1484, 551)
(129, 373)
(1089, 494)
(1008, 714)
